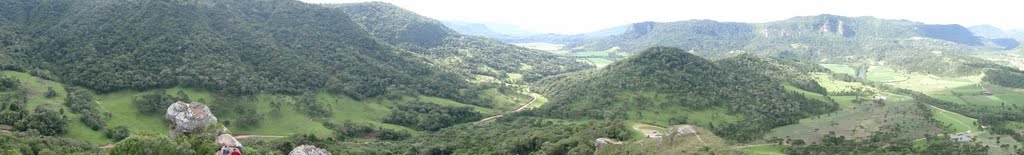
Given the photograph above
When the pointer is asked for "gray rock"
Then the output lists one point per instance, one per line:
(188, 117)
(681, 130)
(308, 150)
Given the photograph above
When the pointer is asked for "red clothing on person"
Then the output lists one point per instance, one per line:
(236, 153)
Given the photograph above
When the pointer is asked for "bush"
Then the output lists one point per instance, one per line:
(46, 120)
(117, 133)
(149, 144)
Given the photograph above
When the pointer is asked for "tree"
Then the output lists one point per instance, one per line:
(117, 133)
(46, 120)
(50, 93)
(182, 96)
(149, 144)
(153, 102)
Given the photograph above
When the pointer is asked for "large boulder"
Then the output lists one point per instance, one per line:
(189, 117)
(308, 150)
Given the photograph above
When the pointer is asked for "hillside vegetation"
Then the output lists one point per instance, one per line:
(430, 38)
(671, 86)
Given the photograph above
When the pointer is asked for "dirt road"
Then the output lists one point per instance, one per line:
(521, 108)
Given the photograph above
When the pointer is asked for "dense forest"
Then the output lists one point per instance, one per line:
(680, 80)
(237, 47)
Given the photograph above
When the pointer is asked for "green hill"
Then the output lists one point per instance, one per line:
(430, 38)
(237, 47)
(264, 67)
(670, 86)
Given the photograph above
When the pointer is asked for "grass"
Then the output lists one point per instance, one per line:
(764, 150)
(807, 94)
(288, 121)
(840, 68)
(36, 89)
(957, 123)
(599, 62)
(883, 73)
(661, 116)
(859, 120)
(541, 100)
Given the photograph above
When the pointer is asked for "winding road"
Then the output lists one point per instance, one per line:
(517, 110)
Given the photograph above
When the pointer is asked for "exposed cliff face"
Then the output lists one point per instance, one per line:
(835, 25)
(638, 30)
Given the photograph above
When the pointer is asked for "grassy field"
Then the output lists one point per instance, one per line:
(543, 46)
(807, 94)
(36, 88)
(288, 121)
(661, 116)
(840, 68)
(956, 123)
(860, 119)
(764, 150)
(681, 144)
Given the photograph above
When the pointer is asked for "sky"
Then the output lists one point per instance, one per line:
(581, 16)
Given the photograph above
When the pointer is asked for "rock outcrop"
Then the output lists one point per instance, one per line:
(601, 142)
(308, 150)
(188, 117)
(681, 130)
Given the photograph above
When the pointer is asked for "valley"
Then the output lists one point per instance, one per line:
(302, 77)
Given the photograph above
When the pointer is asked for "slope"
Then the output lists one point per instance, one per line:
(430, 38)
(237, 47)
(670, 86)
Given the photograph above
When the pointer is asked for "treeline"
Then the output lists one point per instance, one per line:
(33, 143)
(351, 130)
(684, 81)
(509, 135)
(883, 143)
(1007, 77)
(430, 117)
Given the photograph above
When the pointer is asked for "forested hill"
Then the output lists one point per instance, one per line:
(430, 38)
(713, 38)
(240, 47)
(672, 86)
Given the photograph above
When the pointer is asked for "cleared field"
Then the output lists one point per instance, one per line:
(661, 116)
(807, 94)
(841, 68)
(835, 86)
(699, 143)
(860, 120)
(954, 122)
(763, 150)
(884, 74)
(599, 62)
(544, 46)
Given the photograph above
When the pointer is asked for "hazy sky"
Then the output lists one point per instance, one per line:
(579, 16)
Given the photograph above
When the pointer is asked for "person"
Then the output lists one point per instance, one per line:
(235, 151)
(224, 150)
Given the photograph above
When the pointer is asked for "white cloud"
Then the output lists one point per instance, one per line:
(578, 16)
